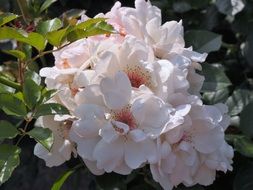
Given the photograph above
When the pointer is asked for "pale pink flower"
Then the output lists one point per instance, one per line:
(116, 130)
(62, 147)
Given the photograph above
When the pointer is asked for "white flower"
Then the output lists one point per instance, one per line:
(118, 133)
(144, 22)
(134, 97)
(192, 152)
(61, 80)
(62, 147)
(73, 56)
(136, 59)
(188, 61)
(70, 73)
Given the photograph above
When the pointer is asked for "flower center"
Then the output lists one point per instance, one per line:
(139, 76)
(187, 137)
(65, 64)
(136, 79)
(125, 116)
(122, 32)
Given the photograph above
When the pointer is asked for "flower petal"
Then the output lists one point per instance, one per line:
(116, 91)
(137, 135)
(91, 165)
(108, 133)
(108, 155)
(207, 141)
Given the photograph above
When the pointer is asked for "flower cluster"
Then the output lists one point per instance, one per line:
(134, 99)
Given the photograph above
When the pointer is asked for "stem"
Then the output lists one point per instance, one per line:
(78, 166)
(44, 53)
(22, 11)
(23, 132)
(21, 72)
(9, 83)
(19, 123)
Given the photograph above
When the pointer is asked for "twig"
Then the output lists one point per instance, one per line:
(22, 11)
(23, 132)
(44, 53)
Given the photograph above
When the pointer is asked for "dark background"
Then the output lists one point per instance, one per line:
(235, 61)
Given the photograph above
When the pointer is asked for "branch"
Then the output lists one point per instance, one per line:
(44, 53)
(21, 5)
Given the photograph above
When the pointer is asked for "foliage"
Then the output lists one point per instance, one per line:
(218, 27)
(28, 99)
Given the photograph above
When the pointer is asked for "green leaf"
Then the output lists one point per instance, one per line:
(7, 17)
(9, 82)
(25, 6)
(27, 49)
(49, 26)
(99, 28)
(243, 145)
(12, 105)
(89, 28)
(46, 4)
(7, 130)
(238, 100)
(88, 23)
(246, 121)
(203, 41)
(31, 92)
(34, 76)
(73, 13)
(9, 160)
(6, 84)
(216, 97)
(20, 96)
(6, 89)
(10, 33)
(76, 35)
(44, 136)
(60, 181)
(47, 94)
(85, 29)
(50, 109)
(36, 40)
(55, 38)
(215, 78)
(16, 53)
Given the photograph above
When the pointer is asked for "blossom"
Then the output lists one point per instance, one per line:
(134, 99)
(137, 60)
(119, 132)
(144, 23)
(62, 147)
(192, 152)
(70, 74)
